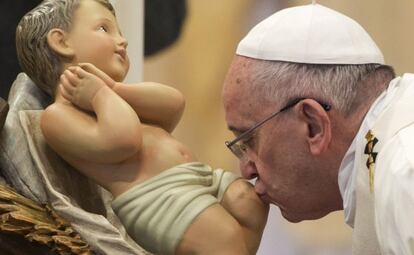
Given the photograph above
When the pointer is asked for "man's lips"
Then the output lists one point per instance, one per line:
(260, 191)
(264, 198)
(259, 188)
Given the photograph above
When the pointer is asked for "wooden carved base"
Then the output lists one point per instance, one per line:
(24, 219)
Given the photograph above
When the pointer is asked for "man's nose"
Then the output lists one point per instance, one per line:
(248, 169)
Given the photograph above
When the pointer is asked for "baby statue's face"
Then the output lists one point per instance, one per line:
(95, 38)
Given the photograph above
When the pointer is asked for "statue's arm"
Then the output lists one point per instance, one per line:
(154, 103)
(110, 135)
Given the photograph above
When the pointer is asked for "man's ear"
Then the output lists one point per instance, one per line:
(319, 126)
(57, 40)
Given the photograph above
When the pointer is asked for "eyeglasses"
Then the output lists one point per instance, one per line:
(239, 148)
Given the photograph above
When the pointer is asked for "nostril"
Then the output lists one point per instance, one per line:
(248, 169)
(254, 175)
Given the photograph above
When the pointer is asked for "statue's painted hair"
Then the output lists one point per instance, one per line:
(36, 58)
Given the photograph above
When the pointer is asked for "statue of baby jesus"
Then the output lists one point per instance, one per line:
(119, 135)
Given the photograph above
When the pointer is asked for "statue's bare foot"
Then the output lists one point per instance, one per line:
(80, 87)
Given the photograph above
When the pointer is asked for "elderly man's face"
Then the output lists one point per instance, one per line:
(277, 154)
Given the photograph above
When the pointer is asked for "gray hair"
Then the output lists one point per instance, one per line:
(344, 87)
(42, 64)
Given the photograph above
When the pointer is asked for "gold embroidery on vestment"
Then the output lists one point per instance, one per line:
(369, 150)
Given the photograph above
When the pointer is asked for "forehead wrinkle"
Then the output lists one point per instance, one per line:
(241, 100)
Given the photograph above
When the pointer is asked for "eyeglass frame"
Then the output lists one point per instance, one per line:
(240, 152)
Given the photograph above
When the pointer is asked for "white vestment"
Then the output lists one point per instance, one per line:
(383, 219)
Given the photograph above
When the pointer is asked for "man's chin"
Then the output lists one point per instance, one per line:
(296, 217)
(288, 216)
(291, 218)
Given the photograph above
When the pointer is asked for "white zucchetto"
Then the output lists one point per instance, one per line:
(311, 34)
